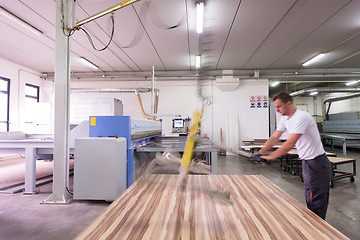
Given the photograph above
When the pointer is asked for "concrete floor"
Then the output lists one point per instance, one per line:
(23, 217)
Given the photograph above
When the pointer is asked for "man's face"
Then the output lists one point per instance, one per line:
(282, 108)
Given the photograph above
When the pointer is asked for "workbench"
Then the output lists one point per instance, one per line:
(344, 138)
(291, 162)
(159, 209)
(335, 162)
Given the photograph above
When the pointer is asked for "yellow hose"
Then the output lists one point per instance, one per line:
(142, 108)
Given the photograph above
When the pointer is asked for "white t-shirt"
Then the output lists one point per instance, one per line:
(309, 144)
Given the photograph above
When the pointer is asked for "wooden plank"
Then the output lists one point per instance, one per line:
(158, 209)
(341, 160)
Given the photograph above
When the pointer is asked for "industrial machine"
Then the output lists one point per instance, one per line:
(100, 169)
(342, 129)
(346, 122)
(137, 132)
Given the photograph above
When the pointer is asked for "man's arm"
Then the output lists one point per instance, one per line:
(285, 147)
(271, 142)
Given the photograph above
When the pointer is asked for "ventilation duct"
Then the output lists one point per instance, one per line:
(227, 82)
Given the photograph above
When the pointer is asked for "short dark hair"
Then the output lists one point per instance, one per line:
(284, 97)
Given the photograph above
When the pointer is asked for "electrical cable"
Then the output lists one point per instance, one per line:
(139, 32)
(67, 189)
(73, 30)
(111, 37)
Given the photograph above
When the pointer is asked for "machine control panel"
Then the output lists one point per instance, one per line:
(181, 125)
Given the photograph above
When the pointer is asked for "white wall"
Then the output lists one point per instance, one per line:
(308, 103)
(253, 122)
(19, 76)
(180, 97)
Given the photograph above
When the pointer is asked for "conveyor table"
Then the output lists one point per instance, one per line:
(32, 148)
(177, 144)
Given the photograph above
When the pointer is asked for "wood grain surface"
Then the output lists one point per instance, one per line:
(159, 209)
(341, 160)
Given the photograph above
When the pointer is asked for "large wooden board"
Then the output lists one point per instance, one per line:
(159, 209)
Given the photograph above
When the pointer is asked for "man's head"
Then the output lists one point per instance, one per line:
(283, 103)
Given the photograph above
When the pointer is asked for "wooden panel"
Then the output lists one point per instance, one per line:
(158, 209)
(341, 160)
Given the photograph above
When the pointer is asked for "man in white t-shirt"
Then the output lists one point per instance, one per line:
(304, 134)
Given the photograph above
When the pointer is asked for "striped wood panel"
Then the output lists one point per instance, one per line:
(158, 209)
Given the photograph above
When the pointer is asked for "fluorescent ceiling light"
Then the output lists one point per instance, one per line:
(197, 61)
(87, 63)
(314, 59)
(199, 17)
(19, 21)
(352, 83)
(275, 84)
(313, 93)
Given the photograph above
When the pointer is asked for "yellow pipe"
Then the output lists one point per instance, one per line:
(142, 108)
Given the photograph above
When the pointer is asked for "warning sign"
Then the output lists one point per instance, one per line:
(265, 102)
(252, 101)
(259, 102)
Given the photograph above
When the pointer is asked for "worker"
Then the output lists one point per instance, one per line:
(304, 134)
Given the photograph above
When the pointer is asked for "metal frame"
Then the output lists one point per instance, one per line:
(336, 175)
(342, 137)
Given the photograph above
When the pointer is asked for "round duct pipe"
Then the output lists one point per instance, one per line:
(324, 90)
(111, 90)
(336, 99)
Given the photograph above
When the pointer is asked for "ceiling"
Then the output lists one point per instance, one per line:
(253, 38)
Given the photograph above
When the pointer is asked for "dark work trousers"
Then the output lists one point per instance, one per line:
(317, 177)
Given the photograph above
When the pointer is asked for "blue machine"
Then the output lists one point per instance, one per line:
(136, 132)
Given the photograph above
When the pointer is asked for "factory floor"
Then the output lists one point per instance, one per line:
(23, 217)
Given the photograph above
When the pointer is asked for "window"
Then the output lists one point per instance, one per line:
(4, 104)
(31, 93)
(31, 106)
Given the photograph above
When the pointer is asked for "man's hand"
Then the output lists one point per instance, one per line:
(259, 158)
(267, 158)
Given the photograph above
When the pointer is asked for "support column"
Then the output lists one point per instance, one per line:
(214, 164)
(30, 171)
(60, 193)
